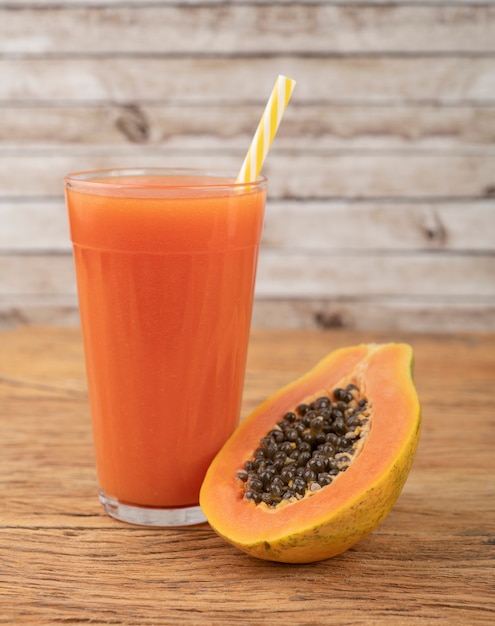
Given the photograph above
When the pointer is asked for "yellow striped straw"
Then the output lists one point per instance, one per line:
(269, 123)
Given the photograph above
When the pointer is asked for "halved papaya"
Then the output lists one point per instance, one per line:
(371, 417)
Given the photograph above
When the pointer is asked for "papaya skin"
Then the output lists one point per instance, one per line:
(333, 519)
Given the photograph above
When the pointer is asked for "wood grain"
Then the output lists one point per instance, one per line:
(393, 314)
(240, 29)
(461, 128)
(340, 174)
(64, 561)
(449, 80)
(384, 162)
(336, 274)
(322, 225)
(381, 313)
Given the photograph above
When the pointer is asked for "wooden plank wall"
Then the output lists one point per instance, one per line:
(382, 179)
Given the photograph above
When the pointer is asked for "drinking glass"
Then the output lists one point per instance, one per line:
(165, 264)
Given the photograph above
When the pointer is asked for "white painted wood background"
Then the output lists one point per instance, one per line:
(381, 209)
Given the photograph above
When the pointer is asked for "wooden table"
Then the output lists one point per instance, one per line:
(62, 560)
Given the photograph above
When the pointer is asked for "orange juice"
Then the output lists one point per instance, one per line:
(165, 264)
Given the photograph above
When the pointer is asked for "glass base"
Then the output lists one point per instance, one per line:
(148, 516)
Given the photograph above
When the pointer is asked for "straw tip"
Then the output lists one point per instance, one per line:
(286, 78)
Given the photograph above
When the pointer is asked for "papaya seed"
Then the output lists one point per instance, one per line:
(307, 448)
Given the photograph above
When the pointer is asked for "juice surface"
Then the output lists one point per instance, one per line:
(165, 291)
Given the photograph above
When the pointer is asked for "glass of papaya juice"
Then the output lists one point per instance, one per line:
(165, 264)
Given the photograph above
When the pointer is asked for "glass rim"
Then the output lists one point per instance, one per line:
(89, 178)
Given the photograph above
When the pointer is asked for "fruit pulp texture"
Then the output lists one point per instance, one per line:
(165, 293)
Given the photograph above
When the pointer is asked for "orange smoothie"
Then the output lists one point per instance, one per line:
(165, 267)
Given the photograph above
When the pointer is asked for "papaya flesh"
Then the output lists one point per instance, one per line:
(329, 521)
